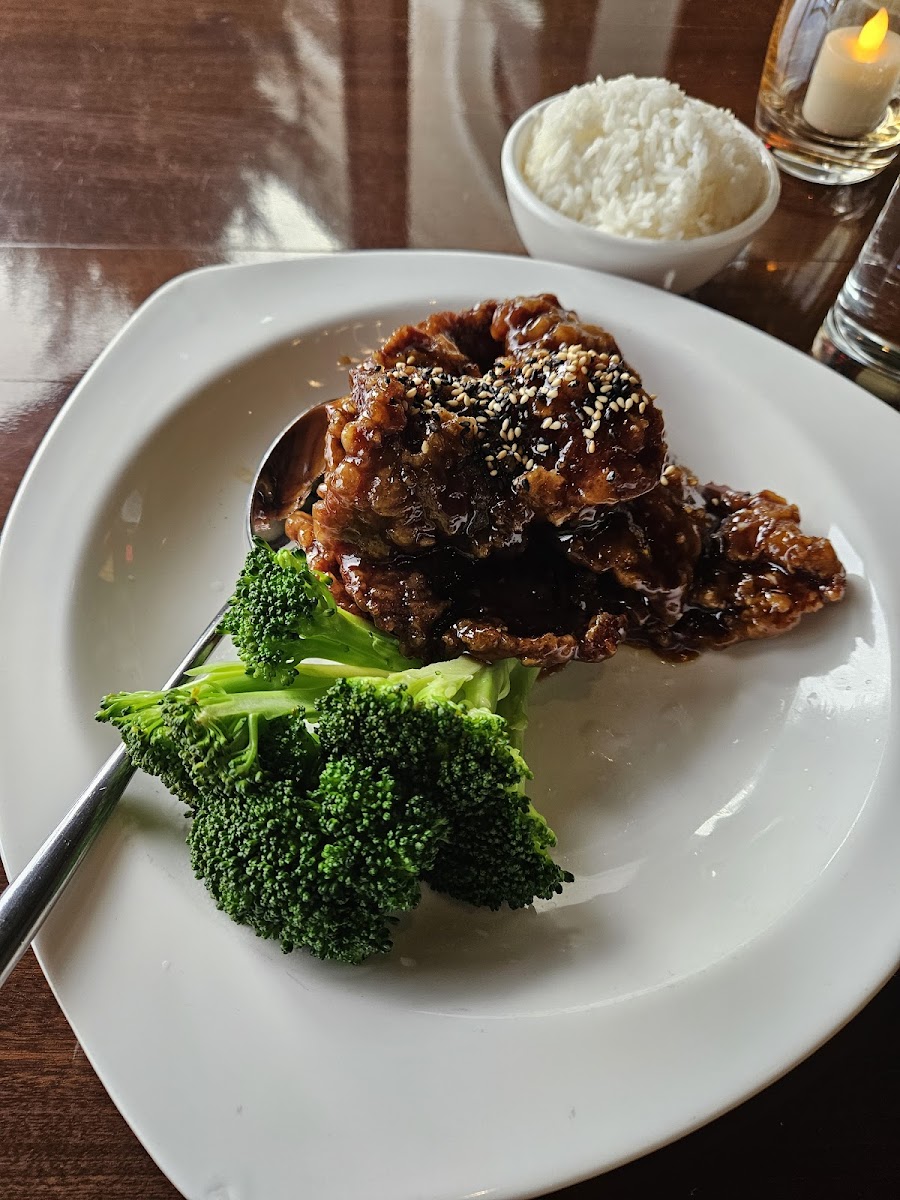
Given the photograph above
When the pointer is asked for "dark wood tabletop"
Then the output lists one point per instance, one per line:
(138, 140)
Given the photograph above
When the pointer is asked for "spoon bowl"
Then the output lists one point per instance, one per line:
(287, 481)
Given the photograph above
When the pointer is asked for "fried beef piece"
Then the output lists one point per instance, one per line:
(466, 429)
(757, 576)
(398, 596)
(404, 474)
(703, 567)
(496, 485)
(595, 436)
(647, 550)
(458, 343)
(536, 605)
(491, 641)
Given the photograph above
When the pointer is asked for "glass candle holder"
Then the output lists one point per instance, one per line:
(829, 98)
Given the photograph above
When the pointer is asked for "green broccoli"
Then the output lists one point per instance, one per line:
(324, 793)
(495, 851)
(282, 611)
(309, 850)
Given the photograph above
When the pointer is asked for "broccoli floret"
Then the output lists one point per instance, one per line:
(362, 806)
(308, 851)
(282, 612)
(496, 847)
(324, 793)
(327, 869)
(205, 730)
(140, 718)
(498, 854)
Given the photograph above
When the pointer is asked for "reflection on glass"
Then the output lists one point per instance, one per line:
(296, 193)
(57, 312)
(615, 47)
(275, 216)
(456, 196)
(474, 66)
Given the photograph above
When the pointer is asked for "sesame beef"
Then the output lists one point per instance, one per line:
(497, 484)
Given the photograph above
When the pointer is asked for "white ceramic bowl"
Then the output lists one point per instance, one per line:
(675, 265)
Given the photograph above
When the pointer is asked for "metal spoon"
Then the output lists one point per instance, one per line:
(286, 481)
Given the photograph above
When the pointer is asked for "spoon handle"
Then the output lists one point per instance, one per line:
(28, 899)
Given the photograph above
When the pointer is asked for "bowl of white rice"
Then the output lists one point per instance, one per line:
(633, 177)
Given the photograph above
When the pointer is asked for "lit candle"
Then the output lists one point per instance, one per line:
(854, 79)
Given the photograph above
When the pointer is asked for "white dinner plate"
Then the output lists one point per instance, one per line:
(732, 823)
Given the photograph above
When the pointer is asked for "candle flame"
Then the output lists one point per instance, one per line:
(872, 35)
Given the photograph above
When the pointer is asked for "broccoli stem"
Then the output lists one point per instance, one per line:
(513, 707)
(277, 703)
(334, 632)
(438, 681)
(489, 685)
(234, 677)
(366, 646)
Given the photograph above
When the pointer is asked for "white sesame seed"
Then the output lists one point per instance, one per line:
(629, 403)
(591, 447)
(642, 406)
(556, 424)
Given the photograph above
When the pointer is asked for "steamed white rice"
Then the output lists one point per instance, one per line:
(639, 158)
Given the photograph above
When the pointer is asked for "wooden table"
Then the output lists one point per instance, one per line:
(140, 140)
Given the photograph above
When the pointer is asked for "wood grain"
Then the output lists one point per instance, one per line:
(140, 140)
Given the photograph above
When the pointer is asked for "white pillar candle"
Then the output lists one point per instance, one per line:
(853, 80)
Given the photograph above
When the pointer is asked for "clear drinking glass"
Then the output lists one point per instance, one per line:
(861, 333)
(828, 107)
